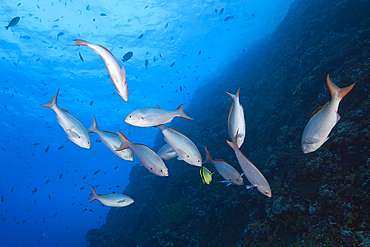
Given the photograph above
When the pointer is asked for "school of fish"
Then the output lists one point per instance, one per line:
(178, 145)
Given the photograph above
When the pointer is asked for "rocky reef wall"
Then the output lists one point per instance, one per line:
(318, 198)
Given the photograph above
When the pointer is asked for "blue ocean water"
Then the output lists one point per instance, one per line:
(44, 176)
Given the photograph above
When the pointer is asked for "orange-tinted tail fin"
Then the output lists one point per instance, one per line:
(180, 111)
(52, 102)
(336, 91)
(94, 196)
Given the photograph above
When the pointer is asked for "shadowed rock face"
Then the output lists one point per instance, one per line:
(322, 197)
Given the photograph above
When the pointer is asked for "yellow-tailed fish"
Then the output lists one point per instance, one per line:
(116, 72)
(74, 129)
(323, 119)
(182, 145)
(112, 141)
(111, 200)
(229, 173)
(147, 157)
(166, 152)
(206, 175)
(253, 175)
(149, 117)
(236, 120)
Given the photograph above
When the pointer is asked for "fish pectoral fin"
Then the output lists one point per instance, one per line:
(250, 186)
(242, 174)
(150, 118)
(180, 153)
(311, 140)
(228, 184)
(121, 201)
(240, 135)
(72, 134)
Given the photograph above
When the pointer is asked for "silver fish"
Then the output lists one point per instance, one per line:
(236, 120)
(148, 117)
(74, 129)
(111, 200)
(323, 119)
(145, 155)
(116, 72)
(253, 175)
(182, 145)
(112, 141)
(229, 173)
(166, 152)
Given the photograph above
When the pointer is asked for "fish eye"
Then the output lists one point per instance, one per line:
(267, 192)
(198, 161)
(161, 170)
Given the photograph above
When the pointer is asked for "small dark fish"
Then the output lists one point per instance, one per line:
(13, 22)
(216, 10)
(166, 25)
(199, 53)
(154, 59)
(92, 102)
(60, 147)
(25, 37)
(73, 203)
(115, 167)
(36, 143)
(34, 190)
(84, 177)
(56, 20)
(97, 172)
(49, 197)
(84, 210)
(47, 149)
(221, 11)
(54, 214)
(146, 7)
(82, 188)
(60, 34)
(37, 59)
(127, 56)
(141, 35)
(81, 57)
(172, 64)
(47, 181)
(98, 185)
(19, 4)
(2, 198)
(118, 186)
(12, 190)
(146, 63)
(91, 210)
(228, 18)
(160, 55)
(180, 88)
(103, 14)
(252, 14)
(88, 7)
(60, 176)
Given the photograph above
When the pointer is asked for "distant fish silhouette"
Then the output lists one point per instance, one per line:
(127, 56)
(199, 53)
(221, 11)
(172, 64)
(141, 35)
(103, 14)
(146, 63)
(229, 17)
(81, 57)
(60, 34)
(13, 22)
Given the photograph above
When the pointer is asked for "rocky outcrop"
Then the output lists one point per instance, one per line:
(318, 198)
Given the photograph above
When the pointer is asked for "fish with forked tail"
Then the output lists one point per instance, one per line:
(111, 200)
(324, 119)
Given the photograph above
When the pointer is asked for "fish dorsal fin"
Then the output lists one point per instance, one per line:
(220, 160)
(176, 130)
(318, 109)
(106, 49)
(66, 111)
(110, 132)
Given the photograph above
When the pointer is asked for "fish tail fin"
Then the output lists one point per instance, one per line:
(124, 141)
(234, 96)
(94, 127)
(161, 127)
(80, 42)
(52, 103)
(180, 111)
(208, 157)
(231, 144)
(336, 91)
(94, 196)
